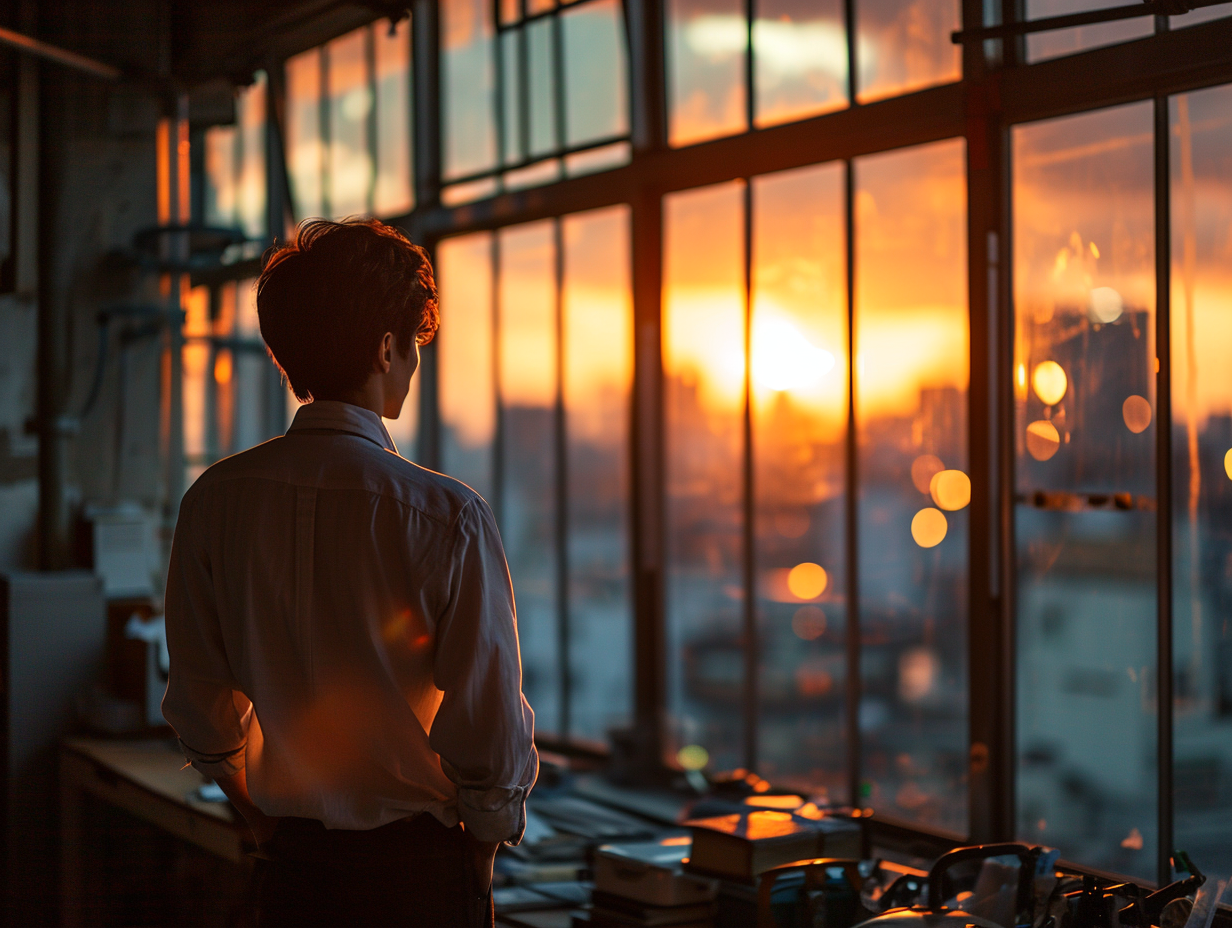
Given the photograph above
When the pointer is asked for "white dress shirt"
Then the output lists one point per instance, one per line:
(341, 623)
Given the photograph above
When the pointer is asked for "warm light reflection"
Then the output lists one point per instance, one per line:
(807, 580)
(809, 623)
(693, 757)
(1049, 382)
(1043, 440)
(783, 359)
(1136, 411)
(222, 368)
(917, 672)
(950, 489)
(923, 469)
(464, 343)
(928, 528)
(1106, 304)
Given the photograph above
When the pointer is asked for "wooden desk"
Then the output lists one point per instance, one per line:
(147, 779)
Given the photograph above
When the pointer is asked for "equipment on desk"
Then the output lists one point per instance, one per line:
(651, 873)
(744, 844)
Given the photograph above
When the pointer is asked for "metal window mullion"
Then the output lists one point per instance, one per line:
(850, 509)
(853, 63)
(562, 492)
(323, 108)
(498, 439)
(1163, 488)
(560, 123)
(748, 566)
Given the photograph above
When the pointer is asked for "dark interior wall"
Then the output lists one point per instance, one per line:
(96, 159)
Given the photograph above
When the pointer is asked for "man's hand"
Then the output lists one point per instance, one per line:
(236, 789)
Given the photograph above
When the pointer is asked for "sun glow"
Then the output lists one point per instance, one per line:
(783, 359)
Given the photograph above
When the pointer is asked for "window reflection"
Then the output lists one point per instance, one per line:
(235, 166)
(800, 59)
(703, 362)
(1201, 139)
(911, 416)
(799, 396)
(466, 364)
(1041, 45)
(1084, 292)
(904, 45)
(526, 327)
(392, 55)
(707, 44)
(350, 101)
(467, 88)
(597, 372)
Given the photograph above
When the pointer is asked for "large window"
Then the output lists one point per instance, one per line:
(535, 351)
(531, 93)
(758, 435)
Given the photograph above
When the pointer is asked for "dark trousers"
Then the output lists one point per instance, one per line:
(415, 873)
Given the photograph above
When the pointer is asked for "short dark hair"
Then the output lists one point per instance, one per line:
(327, 297)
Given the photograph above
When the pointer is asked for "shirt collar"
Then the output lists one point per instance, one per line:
(336, 416)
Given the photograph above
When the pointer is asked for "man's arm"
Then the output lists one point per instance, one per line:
(484, 728)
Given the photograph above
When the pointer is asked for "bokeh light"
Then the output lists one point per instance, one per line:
(950, 489)
(807, 580)
(923, 469)
(1227, 463)
(693, 757)
(1106, 304)
(809, 623)
(1049, 382)
(1043, 440)
(1137, 413)
(928, 528)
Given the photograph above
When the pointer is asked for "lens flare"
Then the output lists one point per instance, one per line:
(1136, 412)
(1049, 382)
(950, 489)
(928, 528)
(1043, 440)
(807, 580)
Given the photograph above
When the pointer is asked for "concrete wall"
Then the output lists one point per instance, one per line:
(97, 158)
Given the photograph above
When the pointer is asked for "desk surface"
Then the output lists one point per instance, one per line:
(156, 766)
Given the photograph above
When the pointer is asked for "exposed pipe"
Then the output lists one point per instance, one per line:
(32, 46)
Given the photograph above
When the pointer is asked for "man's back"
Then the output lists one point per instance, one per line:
(363, 605)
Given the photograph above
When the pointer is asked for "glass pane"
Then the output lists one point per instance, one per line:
(510, 11)
(597, 310)
(1041, 45)
(707, 42)
(250, 199)
(703, 367)
(465, 361)
(350, 101)
(394, 193)
(541, 63)
(905, 45)
(911, 328)
(1204, 15)
(1084, 295)
(799, 392)
(1202, 480)
(220, 172)
(468, 87)
(596, 83)
(305, 155)
(800, 56)
(527, 346)
(539, 6)
(511, 96)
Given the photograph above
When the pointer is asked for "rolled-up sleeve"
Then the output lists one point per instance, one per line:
(203, 703)
(484, 729)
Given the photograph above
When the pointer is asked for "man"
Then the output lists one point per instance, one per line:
(344, 652)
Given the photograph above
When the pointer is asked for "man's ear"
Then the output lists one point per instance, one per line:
(385, 356)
